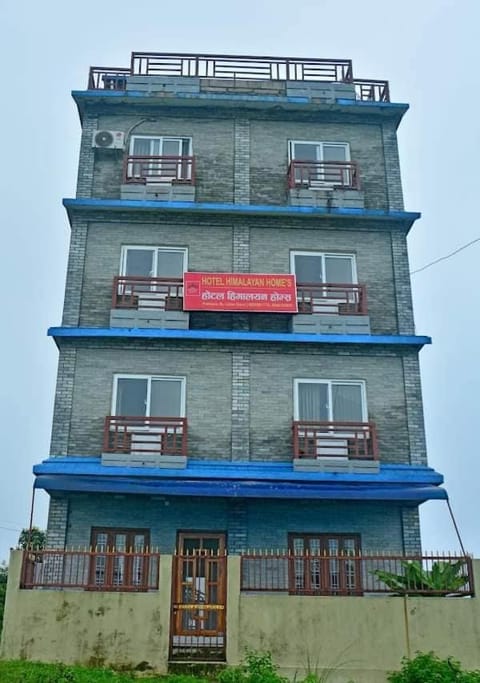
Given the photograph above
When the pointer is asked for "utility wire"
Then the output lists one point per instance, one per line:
(444, 258)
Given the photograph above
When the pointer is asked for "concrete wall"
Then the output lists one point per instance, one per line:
(359, 638)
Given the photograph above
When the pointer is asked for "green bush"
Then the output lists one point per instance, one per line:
(428, 668)
(256, 668)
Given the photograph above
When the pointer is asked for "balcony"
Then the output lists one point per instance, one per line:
(335, 446)
(167, 178)
(333, 184)
(145, 441)
(331, 309)
(325, 80)
(148, 302)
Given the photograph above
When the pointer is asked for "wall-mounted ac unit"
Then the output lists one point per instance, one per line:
(109, 139)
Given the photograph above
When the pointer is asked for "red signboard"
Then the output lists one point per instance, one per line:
(251, 292)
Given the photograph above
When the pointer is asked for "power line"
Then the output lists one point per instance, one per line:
(447, 256)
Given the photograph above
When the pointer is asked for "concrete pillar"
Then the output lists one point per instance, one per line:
(233, 655)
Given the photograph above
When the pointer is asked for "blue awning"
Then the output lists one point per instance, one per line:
(239, 480)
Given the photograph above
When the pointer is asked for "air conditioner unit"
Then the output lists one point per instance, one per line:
(109, 139)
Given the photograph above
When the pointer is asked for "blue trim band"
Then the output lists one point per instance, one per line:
(239, 479)
(236, 336)
(233, 97)
(256, 209)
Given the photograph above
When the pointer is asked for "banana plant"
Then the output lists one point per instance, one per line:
(444, 578)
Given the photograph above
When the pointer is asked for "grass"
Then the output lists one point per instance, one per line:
(36, 672)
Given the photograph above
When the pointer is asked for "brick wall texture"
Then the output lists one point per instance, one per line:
(239, 397)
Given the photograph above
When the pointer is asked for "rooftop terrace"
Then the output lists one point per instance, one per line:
(238, 68)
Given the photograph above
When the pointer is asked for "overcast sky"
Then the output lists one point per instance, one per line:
(427, 49)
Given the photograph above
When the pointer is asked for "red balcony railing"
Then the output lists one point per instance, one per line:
(159, 169)
(145, 435)
(107, 78)
(341, 299)
(238, 67)
(372, 90)
(352, 574)
(241, 67)
(355, 440)
(147, 293)
(100, 570)
(323, 174)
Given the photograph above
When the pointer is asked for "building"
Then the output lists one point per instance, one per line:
(238, 363)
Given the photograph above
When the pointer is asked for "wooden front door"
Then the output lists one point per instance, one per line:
(199, 597)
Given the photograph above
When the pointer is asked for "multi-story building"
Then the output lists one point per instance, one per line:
(238, 359)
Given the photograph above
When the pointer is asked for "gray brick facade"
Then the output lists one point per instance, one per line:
(239, 396)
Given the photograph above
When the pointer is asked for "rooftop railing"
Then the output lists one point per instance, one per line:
(323, 175)
(357, 574)
(340, 299)
(96, 570)
(352, 440)
(145, 435)
(237, 67)
(159, 169)
(147, 293)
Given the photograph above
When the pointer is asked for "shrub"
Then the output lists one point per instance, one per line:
(428, 668)
(256, 668)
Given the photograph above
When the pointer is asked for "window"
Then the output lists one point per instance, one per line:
(148, 396)
(319, 400)
(142, 261)
(326, 162)
(175, 167)
(325, 564)
(319, 268)
(124, 564)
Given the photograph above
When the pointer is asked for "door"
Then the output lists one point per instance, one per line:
(199, 597)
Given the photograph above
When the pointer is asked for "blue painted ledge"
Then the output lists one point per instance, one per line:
(256, 209)
(234, 97)
(247, 479)
(236, 336)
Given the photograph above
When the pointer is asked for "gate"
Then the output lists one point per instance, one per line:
(198, 620)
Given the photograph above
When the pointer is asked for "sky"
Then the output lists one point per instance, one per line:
(429, 52)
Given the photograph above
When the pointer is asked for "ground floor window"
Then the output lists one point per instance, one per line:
(324, 564)
(119, 558)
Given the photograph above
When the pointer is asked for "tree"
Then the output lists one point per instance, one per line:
(32, 538)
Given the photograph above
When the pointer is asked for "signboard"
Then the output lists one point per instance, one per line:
(248, 292)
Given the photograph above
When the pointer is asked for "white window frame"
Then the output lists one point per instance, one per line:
(322, 255)
(162, 138)
(150, 378)
(320, 144)
(146, 247)
(329, 382)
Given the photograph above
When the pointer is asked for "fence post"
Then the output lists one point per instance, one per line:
(233, 654)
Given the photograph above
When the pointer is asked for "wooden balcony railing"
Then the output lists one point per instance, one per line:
(341, 299)
(159, 169)
(323, 175)
(351, 574)
(145, 435)
(353, 440)
(237, 67)
(147, 293)
(98, 569)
